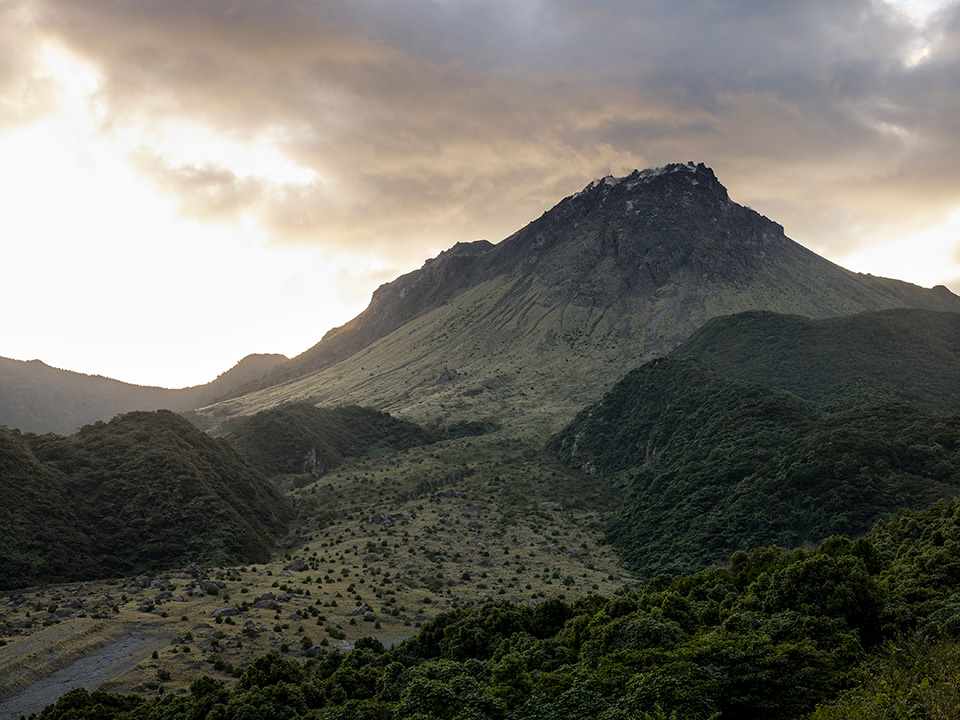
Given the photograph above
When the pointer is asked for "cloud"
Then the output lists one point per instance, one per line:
(26, 94)
(433, 121)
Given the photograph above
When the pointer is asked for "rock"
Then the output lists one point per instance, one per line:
(192, 569)
(210, 586)
(361, 610)
(226, 611)
(298, 565)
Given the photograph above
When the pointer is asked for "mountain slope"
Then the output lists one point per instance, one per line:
(715, 456)
(532, 328)
(916, 350)
(35, 397)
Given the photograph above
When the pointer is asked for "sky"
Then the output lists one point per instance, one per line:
(185, 182)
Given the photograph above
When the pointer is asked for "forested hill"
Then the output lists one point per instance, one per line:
(149, 491)
(711, 464)
(917, 351)
(145, 491)
(850, 630)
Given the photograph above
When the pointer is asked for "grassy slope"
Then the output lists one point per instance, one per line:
(517, 353)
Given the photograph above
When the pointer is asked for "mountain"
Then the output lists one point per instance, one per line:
(711, 463)
(529, 330)
(145, 491)
(35, 397)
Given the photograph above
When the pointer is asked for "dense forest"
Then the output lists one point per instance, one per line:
(864, 628)
(775, 429)
(916, 351)
(144, 491)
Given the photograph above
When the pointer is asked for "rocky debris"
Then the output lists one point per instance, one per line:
(211, 587)
(267, 601)
(382, 520)
(226, 611)
(298, 565)
(445, 376)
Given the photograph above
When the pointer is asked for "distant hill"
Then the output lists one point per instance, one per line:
(35, 397)
(145, 491)
(711, 464)
(529, 330)
(301, 438)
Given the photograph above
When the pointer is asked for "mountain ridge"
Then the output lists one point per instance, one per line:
(37, 397)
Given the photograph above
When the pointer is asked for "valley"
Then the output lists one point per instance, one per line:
(380, 547)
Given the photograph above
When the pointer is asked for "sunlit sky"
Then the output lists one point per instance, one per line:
(186, 182)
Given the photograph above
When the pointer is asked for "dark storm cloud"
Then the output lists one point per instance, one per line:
(432, 121)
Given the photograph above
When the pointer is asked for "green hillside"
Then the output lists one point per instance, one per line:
(851, 629)
(145, 491)
(302, 438)
(917, 351)
(711, 465)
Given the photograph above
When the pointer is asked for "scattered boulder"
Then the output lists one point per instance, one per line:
(298, 565)
(267, 601)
